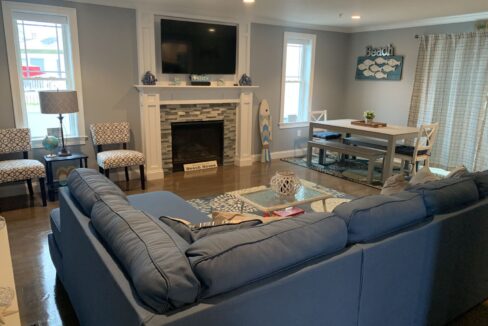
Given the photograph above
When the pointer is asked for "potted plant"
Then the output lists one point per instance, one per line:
(369, 116)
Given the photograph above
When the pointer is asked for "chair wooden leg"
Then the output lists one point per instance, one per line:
(143, 178)
(43, 191)
(107, 172)
(416, 167)
(29, 186)
(126, 173)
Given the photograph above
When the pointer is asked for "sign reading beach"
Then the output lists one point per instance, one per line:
(379, 64)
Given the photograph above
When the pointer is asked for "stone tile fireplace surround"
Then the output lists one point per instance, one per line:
(162, 104)
(225, 112)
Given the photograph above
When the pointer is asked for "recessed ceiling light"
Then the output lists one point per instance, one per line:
(248, 1)
(211, 30)
(355, 17)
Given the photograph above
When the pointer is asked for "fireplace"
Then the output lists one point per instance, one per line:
(197, 141)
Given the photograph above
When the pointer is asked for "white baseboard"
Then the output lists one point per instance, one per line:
(282, 154)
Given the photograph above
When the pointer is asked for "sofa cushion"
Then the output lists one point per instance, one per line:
(193, 232)
(423, 176)
(394, 184)
(86, 186)
(481, 180)
(369, 218)
(230, 260)
(150, 253)
(447, 195)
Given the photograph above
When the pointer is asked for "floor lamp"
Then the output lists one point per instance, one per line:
(59, 102)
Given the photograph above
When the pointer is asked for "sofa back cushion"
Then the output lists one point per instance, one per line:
(372, 217)
(151, 254)
(481, 180)
(230, 260)
(87, 185)
(447, 195)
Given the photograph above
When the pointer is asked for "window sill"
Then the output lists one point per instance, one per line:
(287, 125)
(69, 141)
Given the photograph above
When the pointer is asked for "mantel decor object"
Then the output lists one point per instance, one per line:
(285, 183)
(149, 79)
(59, 102)
(245, 80)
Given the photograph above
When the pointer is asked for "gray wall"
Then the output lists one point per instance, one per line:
(266, 65)
(389, 99)
(108, 59)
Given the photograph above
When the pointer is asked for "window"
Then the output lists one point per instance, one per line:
(42, 47)
(297, 79)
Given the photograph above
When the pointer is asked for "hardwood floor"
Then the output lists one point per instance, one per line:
(42, 299)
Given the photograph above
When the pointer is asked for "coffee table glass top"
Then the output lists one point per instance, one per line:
(267, 200)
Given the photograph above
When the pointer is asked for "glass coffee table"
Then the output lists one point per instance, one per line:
(266, 200)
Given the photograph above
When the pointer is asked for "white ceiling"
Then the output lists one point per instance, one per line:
(325, 14)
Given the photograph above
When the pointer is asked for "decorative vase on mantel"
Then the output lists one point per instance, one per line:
(285, 183)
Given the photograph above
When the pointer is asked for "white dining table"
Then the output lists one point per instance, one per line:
(391, 133)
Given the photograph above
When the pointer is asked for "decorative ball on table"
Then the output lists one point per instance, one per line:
(285, 183)
(50, 143)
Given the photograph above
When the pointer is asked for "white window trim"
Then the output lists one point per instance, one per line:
(309, 37)
(9, 8)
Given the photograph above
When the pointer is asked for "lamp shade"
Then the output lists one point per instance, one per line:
(55, 102)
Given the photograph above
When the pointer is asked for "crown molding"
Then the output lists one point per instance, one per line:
(424, 22)
(171, 10)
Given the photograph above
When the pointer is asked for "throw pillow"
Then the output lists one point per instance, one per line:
(423, 176)
(394, 184)
(458, 172)
(193, 232)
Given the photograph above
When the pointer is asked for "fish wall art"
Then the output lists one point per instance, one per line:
(379, 68)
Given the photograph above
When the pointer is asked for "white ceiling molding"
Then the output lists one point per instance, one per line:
(176, 10)
(424, 22)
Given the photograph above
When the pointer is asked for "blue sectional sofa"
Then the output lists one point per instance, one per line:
(415, 258)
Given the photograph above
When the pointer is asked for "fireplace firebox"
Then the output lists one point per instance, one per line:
(197, 141)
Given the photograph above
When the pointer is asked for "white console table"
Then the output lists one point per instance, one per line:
(151, 97)
(11, 317)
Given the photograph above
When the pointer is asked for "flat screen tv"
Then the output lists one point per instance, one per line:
(198, 48)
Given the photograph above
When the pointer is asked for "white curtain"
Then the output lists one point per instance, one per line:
(451, 87)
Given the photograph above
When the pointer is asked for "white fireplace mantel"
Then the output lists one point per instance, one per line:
(151, 97)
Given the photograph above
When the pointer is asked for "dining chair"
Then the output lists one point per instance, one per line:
(17, 140)
(319, 116)
(109, 133)
(421, 150)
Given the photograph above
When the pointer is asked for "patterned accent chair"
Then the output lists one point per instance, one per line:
(17, 140)
(107, 133)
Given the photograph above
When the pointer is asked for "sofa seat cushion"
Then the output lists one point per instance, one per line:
(447, 195)
(193, 232)
(229, 260)
(55, 220)
(150, 253)
(372, 217)
(481, 180)
(87, 185)
(119, 158)
(19, 170)
(165, 203)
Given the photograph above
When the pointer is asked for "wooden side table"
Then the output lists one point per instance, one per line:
(10, 314)
(52, 187)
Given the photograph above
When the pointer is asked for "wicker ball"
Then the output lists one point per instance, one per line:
(285, 183)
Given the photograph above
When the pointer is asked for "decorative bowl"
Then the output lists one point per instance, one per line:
(285, 183)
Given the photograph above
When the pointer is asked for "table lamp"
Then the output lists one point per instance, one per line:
(59, 102)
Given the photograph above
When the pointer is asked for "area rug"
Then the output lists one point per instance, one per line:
(352, 170)
(228, 202)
